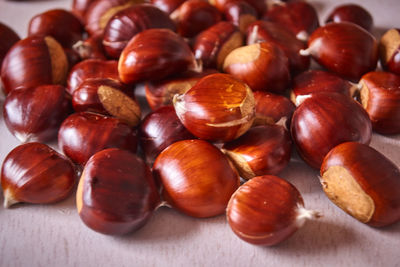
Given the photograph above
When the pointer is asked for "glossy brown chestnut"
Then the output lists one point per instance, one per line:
(91, 48)
(241, 14)
(197, 179)
(36, 173)
(298, 16)
(130, 21)
(266, 31)
(380, 96)
(325, 120)
(154, 54)
(259, 5)
(73, 57)
(35, 114)
(158, 130)
(100, 11)
(91, 68)
(262, 150)
(314, 81)
(168, 6)
(351, 13)
(263, 66)
(116, 192)
(218, 107)
(108, 97)
(345, 49)
(79, 8)
(267, 210)
(389, 50)
(161, 93)
(194, 16)
(362, 182)
(83, 134)
(60, 24)
(34, 61)
(215, 43)
(8, 37)
(273, 109)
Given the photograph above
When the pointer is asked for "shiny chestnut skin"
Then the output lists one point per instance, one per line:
(325, 120)
(197, 179)
(273, 109)
(267, 210)
(218, 107)
(161, 93)
(358, 49)
(298, 16)
(263, 149)
(168, 6)
(36, 173)
(90, 48)
(128, 22)
(215, 43)
(108, 97)
(60, 24)
(79, 8)
(8, 37)
(154, 54)
(83, 134)
(259, 5)
(241, 14)
(158, 130)
(116, 192)
(380, 96)
(266, 31)
(35, 114)
(362, 182)
(351, 13)
(263, 66)
(194, 16)
(91, 68)
(389, 51)
(34, 61)
(314, 81)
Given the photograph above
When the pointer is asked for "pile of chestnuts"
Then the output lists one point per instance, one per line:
(231, 94)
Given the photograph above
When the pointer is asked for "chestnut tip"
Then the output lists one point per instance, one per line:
(9, 199)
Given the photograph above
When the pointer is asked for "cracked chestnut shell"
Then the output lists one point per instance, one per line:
(218, 107)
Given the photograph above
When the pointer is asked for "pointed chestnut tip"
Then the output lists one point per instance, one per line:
(9, 199)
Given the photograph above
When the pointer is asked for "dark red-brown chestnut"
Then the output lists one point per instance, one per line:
(168, 6)
(260, 6)
(389, 51)
(351, 13)
(91, 48)
(79, 8)
(241, 14)
(8, 37)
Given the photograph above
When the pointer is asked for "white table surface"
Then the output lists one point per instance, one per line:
(53, 235)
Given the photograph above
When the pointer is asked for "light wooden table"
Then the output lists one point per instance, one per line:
(53, 235)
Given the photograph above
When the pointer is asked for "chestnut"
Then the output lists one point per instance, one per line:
(273, 109)
(60, 24)
(80, 7)
(34, 61)
(267, 210)
(159, 129)
(116, 192)
(91, 68)
(8, 37)
(380, 96)
(35, 114)
(260, 6)
(90, 48)
(351, 13)
(263, 66)
(83, 134)
(241, 14)
(218, 107)
(194, 16)
(36, 173)
(298, 16)
(215, 43)
(325, 120)
(161, 93)
(362, 182)
(389, 47)
(128, 22)
(314, 81)
(154, 54)
(266, 31)
(168, 6)
(344, 48)
(108, 97)
(262, 150)
(197, 179)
